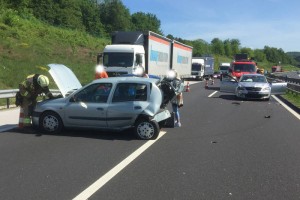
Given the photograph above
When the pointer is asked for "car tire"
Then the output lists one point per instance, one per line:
(50, 122)
(146, 130)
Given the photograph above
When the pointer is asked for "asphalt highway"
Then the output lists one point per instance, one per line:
(225, 149)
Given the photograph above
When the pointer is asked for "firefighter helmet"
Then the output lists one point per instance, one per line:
(43, 81)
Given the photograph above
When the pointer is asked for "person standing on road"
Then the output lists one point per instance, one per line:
(29, 90)
(176, 102)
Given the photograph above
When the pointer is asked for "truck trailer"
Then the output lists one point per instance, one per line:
(156, 53)
(181, 59)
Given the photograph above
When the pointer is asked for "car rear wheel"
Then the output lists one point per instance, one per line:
(146, 130)
(50, 122)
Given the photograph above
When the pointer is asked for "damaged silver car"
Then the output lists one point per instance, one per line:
(116, 103)
(252, 86)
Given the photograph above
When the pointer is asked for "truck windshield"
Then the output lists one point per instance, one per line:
(244, 67)
(113, 59)
(196, 67)
(224, 67)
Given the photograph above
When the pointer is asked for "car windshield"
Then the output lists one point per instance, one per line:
(257, 79)
(112, 59)
(244, 67)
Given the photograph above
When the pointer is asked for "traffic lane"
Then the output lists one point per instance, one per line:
(51, 164)
(225, 149)
(35, 166)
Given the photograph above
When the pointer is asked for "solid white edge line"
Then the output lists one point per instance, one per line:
(114, 171)
(286, 107)
(212, 93)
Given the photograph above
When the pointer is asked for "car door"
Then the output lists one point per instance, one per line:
(88, 107)
(278, 88)
(128, 101)
(228, 83)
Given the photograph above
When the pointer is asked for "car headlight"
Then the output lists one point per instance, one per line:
(266, 89)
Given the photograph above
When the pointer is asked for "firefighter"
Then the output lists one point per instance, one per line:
(29, 90)
(100, 72)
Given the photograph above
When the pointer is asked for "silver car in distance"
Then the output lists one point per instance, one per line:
(251, 86)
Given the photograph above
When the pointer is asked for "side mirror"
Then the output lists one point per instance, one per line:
(72, 99)
(138, 59)
(99, 58)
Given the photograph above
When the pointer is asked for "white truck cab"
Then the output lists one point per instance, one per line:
(122, 59)
(197, 68)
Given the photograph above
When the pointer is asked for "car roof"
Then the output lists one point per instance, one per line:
(253, 75)
(126, 79)
(244, 62)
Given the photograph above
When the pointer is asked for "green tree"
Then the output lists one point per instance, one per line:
(259, 55)
(69, 14)
(170, 36)
(235, 46)
(115, 16)
(200, 48)
(91, 18)
(145, 22)
(217, 46)
(247, 51)
(18, 5)
(45, 10)
(227, 48)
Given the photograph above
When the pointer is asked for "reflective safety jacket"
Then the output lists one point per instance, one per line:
(30, 89)
(102, 74)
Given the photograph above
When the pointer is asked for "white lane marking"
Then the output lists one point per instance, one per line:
(114, 171)
(286, 107)
(212, 93)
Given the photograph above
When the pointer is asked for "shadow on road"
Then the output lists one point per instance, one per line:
(212, 88)
(95, 134)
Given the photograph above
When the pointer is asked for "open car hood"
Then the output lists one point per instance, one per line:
(64, 78)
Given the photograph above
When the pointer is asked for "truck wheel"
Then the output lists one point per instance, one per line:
(50, 122)
(146, 130)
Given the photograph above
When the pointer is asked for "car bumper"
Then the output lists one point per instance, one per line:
(253, 95)
(165, 114)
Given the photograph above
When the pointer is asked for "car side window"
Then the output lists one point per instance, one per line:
(130, 92)
(96, 93)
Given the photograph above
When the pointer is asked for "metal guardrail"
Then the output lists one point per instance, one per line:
(8, 94)
(293, 84)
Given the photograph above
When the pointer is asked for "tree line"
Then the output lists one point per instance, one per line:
(101, 17)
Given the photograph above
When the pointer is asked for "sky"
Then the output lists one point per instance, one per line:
(255, 23)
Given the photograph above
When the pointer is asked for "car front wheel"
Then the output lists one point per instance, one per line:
(146, 130)
(50, 122)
